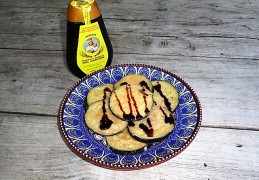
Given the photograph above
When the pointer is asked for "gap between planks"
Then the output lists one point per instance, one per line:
(147, 54)
(202, 126)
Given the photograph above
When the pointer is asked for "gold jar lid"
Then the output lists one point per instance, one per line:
(75, 14)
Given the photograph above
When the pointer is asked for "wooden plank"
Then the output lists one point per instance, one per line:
(175, 19)
(227, 88)
(231, 6)
(41, 76)
(179, 29)
(188, 13)
(141, 44)
(32, 148)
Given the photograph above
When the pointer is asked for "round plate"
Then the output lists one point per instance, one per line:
(92, 147)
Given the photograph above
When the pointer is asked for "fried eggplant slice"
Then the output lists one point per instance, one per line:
(99, 92)
(165, 94)
(124, 143)
(100, 119)
(157, 126)
(131, 102)
(135, 79)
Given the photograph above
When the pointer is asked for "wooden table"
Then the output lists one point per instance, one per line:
(213, 45)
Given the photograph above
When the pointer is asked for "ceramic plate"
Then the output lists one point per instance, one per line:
(93, 148)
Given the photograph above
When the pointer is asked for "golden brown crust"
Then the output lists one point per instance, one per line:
(134, 79)
(124, 142)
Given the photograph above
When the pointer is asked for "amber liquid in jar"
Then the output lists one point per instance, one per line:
(75, 19)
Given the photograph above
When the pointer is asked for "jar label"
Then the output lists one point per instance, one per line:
(92, 53)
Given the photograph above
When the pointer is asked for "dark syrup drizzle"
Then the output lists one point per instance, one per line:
(124, 83)
(125, 116)
(130, 116)
(131, 124)
(145, 99)
(168, 119)
(158, 89)
(106, 90)
(105, 122)
(144, 84)
(149, 132)
(134, 103)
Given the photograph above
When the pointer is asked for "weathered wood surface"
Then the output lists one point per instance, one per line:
(31, 148)
(176, 28)
(38, 80)
(214, 46)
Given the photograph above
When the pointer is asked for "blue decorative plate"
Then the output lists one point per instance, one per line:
(93, 148)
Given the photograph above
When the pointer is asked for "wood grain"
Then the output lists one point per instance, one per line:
(227, 88)
(185, 29)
